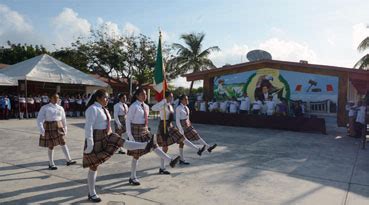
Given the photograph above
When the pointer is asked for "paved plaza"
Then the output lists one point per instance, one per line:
(250, 166)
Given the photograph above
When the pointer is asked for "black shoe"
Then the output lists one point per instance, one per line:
(71, 163)
(149, 145)
(201, 150)
(94, 198)
(163, 171)
(53, 167)
(174, 162)
(134, 182)
(212, 147)
(182, 162)
(121, 152)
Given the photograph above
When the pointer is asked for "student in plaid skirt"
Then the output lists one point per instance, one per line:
(100, 142)
(171, 134)
(137, 130)
(52, 124)
(120, 112)
(185, 127)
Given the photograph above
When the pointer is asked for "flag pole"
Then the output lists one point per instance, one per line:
(164, 82)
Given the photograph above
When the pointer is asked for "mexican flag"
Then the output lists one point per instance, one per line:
(160, 84)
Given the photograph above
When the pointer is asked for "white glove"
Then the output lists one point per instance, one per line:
(181, 131)
(131, 138)
(119, 126)
(90, 145)
(65, 130)
(42, 132)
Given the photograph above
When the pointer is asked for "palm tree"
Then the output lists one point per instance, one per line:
(190, 57)
(363, 63)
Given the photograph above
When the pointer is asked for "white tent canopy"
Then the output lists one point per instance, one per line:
(44, 68)
(7, 81)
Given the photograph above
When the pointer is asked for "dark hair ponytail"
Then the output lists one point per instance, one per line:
(98, 94)
(137, 92)
(183, 96)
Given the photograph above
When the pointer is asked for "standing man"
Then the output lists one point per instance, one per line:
(52, 124)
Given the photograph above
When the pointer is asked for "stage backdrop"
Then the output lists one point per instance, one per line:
(277, 84)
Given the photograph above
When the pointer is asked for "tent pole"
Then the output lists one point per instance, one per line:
(26, 98)
(19, 84)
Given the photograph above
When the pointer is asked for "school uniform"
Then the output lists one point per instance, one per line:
(256, 106)
(360, 121)
(233, 107)
(245, 105)
(120, 112)
(30, 106)
(270, 107)
(37, 105)
(44, 100)
(22, 106)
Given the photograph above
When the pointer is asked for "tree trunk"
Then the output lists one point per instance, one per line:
(191, 88)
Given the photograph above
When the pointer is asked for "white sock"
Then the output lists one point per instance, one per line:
(66, 152)
(162, 164)
(133, 168)
(162, 154)
(129, 145)
(181, 154)
(50, 153)
(201, 141)
(91, 180)
(190, 144)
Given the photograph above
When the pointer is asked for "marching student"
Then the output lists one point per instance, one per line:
(30, 106)
(52, 124)
(172, 134)
(100, 142)
(138, 130)
(22, 106)
(120, 113)
(185, 128)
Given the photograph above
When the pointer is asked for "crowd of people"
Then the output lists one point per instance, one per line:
(244, 105)
(131, 131)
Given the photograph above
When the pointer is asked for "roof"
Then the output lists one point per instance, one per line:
(7, 81)
(44, 68)
(3, 65)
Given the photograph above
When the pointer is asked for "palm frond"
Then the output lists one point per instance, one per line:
(363, 63)
(364, 44)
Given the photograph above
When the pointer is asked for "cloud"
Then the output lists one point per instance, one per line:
(14, 26)
(181, 82)
(232, 55)
(68, 27)
(359, 32)
(109, 27)
(288, 50)
(130, 29)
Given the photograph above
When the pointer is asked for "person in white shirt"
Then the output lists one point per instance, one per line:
(72, 106)
(78, 106)
(350, 107)
(44, 99)
(224, 106)
(245, 104)
(120, 113)
(171, 135)
(270, 106)
(256, 106)
(22, 106)
(213, 106)
(360, 120)
(30, 106)
(233, 106)
(100, 142)
(37, 105)
(137, 122)
(202, 106)
(52, 124)
(185, 128)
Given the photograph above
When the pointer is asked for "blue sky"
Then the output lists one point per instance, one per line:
(321, 32)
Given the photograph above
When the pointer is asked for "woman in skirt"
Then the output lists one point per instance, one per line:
(137, 130)
(120, 112)
(171, 134)
(185, 127)
(52, 124)
(100, 142)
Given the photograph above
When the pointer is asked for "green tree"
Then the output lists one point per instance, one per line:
(363, 63)
(15, 53)
(190, 56)
(72, 57)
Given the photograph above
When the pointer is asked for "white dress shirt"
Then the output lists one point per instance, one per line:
(256, 105)
(182, 113)
(37, 99)
(120, 109)
(270, 107)
(203, 106)
(233, 107)
(224, 106)
(136, 115)
(160, 107)
(95, 119)
(22, 100)
(245, 103)
(351, 110)
(45, 99)
(30, 100)
(51, 112)
(361, 115)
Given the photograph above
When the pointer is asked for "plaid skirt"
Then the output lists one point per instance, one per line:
(122, 121)
(105, 145)
(140, 133)
(172, 135)
(189, 132)
(54, 134)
